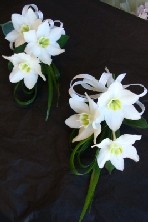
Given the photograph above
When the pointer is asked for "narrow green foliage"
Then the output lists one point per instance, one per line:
(91, 190)
(29, 94)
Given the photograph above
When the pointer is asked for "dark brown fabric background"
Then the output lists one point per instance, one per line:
(35, 182)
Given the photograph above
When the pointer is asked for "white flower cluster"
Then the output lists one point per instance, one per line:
(111, 103)
(142, 11)
(40, 37)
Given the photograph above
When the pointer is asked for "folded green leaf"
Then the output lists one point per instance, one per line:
(91, 190)
(63, 40)
(7, 27)
(141, 123)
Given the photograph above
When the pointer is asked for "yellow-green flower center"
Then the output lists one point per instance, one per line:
(115, 149)
(43, 42)
(115, 104)
(84, 119)
(24, 67)
(25, 28)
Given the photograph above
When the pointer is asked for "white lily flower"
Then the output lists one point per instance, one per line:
(117, 150)
(117, 103)
(29, 20)
(43, 42)
(87, 119)
(25, 67)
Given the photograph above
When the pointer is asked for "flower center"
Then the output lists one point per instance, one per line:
(84, 119)
(43, 42)
(25, 28)
(114, 104)
(24, 67)
(115, 149)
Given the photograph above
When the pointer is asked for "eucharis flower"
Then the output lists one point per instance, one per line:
(117, 150)
(116, 104)
(87, 119)
(43, 42)
(25, 67)
(29, 20)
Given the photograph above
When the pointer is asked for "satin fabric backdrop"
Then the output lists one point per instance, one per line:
(126, 5)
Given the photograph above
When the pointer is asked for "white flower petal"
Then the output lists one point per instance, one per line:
(44, 57)
(104, 144)
(36, 24)
(73, 121)
(43, 30)
(102, 157)
(54, 51)
(30, 80)
(128, 139)
(118, 162)
(31, 16)
(55, 34)
(131, 113)
(97, 132)
(20, 40)
(12, 36)
(92, 105)
(32, 49)
(114, 119)
(78, 106)
(30, 36)
(84, 133)
(17, 20)
(130, 152)
(128, 97)
(16, 76)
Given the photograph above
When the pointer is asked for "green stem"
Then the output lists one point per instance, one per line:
(91, 190)
(50, 90)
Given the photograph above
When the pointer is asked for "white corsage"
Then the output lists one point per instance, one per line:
(99, 116)
(34, 42)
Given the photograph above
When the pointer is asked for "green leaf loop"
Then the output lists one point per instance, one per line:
(32, 93)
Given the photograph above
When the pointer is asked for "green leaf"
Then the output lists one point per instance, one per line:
(73, 155)
(20, 48)
(10, 66)
(63, 40)
(109, 167)
(7, 27)
(56, 71)
(50, 90)
(27, 102)
(141, 123)
(91, 190)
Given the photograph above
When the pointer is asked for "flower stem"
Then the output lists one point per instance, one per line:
(114, 135)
